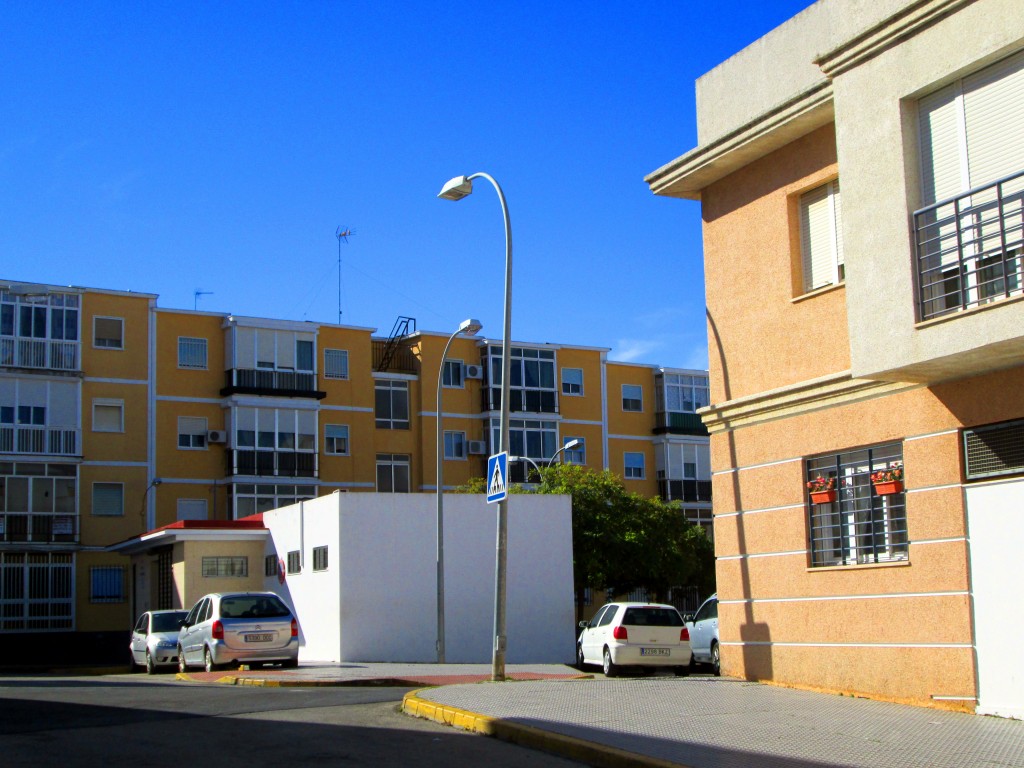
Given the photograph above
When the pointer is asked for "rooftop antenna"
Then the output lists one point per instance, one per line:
(197, 294)
(342, 233)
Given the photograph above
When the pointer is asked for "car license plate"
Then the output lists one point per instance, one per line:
(655, 652)
(264, 638)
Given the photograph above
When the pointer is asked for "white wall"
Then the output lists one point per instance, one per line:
(377, 600)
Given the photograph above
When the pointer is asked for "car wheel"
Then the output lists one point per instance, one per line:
(289, 663)
(580, 663)
(132, 666)
(150, 664)
(610, 668)
(182, 666)
(208, 659)
(716, 664)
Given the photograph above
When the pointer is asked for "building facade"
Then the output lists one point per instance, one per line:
(118, 417)
(860, 171)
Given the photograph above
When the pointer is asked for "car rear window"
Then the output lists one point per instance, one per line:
(652, 617)
(252, 607)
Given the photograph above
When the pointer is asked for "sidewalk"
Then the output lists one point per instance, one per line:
(700, 722)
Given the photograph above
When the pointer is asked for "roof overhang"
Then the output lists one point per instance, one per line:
(192, 530)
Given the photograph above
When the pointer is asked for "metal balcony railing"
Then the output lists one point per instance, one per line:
(39, 527)
(521, 400)
(45, 354)
(270, 381)
(50, 441)
(685, 490)
(679, 423)
(969, 248)
(396, 359)
(271, 463)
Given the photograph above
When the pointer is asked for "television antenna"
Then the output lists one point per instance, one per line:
(196, 294)
(343, 234)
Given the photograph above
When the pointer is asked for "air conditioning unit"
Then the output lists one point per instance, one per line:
(478, 447)
(216, 436)
(474, 371)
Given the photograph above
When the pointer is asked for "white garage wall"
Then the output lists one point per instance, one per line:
(377, 600)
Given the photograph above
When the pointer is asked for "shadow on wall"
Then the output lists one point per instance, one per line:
(755, 636)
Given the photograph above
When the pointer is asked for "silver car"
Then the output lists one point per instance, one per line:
(238, 628)
(154, 641)
(704, 635)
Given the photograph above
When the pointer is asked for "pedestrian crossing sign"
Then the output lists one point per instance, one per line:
(497, 477)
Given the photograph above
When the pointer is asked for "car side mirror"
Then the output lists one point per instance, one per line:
(584, 624)
(687, 618)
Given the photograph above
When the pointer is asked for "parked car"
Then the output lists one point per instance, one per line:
(154, 641)
(238, 628)
(634, 635)
(704, 635)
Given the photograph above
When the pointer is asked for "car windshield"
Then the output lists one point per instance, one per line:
(168, 622)
(652, 617)
(252, 607)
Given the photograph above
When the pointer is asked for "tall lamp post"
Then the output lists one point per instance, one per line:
(468, 327)
(456, 189)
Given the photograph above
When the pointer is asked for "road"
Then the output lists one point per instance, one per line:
(158, 721)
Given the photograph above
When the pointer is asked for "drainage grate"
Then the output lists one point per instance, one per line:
(997, 449)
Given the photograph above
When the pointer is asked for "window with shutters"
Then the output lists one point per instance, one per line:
(336, 439)
(821, 242)
(191, 432)
(108, 332)
(969, 234)
(108, 499)
(107, 415)
(106, 584)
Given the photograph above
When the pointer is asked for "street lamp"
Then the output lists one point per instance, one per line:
(514, 459)
(567, 447)
(468, 327)
(456, 189)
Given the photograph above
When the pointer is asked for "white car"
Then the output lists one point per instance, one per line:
(154, 641)
(634, 635)
(704, 635)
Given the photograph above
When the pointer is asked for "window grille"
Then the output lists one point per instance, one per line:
(860, 526)
(295, 561)
(336, 363)
(217, 566)
(270, 565)
(319, 558)
(994, 450)
(191, 353)
(106, 584)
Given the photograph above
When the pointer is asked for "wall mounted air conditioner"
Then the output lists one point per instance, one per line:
(478, 447)
(216, 436)
(474, 371)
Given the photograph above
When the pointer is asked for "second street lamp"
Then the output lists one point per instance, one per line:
(468, 327)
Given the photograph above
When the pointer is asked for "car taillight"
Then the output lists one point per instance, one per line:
(217, 631)
(295, 628)
(684, 635)
(620, 633)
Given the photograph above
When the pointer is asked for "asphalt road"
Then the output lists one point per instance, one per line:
(157, 721)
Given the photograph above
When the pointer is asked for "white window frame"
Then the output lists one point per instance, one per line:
(330, 441)
(110, 487)
(339, 370)
(570, 384)
(629, 471)
(394, 461)
(118, 346)
(452, 370)
(577, 455)
(192, 346)
(103, 402)
(390, 421)
(200, 432)
(821, 238)
(457, 440)
(639, 399)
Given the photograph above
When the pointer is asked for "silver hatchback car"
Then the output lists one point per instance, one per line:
(238, 628)
(155, 640)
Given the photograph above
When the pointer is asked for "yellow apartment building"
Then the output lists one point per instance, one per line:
(118, 417)
(860, 172)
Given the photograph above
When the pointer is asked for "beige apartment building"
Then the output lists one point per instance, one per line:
(860, 171)
(119, 417)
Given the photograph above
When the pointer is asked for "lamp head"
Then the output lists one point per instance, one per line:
(470, 327)
(456, 189)
(571, 444)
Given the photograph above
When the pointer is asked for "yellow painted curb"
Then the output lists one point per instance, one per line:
(529, 736)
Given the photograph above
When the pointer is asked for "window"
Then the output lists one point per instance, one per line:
(192, 509)
(821, 241)
(270, 565)
(268, 429)
(684, 393)
(294, 561)
(36, 591)
(392, 473)
(319, 558)
(336, 439)
(108, 499)
(535, 439)
(108, 332)
(572, 381)
(108, 416)
(455, 445)
(391, 404)
(578, 453)
(249, 498)
(223, 566)
(191, 432)
(451, 375)
(632, 397)
(336, 363)
(860, 525)
(191, 353)
(634, 463)
(106, 584)
(303, 355)
(532, 386)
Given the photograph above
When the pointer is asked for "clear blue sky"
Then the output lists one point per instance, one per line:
(170, 147)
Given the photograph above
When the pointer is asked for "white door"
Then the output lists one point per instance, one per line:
(995, 527)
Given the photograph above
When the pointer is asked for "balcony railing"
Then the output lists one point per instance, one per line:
(50, 441)
(685, 490)
(678, 423)
(969, 248)
(45, 354)
(395, 359)
(271, 463)
(41, 527)
(266, 381)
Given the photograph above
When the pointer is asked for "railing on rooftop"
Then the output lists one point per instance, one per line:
(969, 248)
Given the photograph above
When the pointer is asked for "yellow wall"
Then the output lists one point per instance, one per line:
(190, 584)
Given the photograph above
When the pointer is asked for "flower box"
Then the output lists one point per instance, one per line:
(823, 497)
(889, 487)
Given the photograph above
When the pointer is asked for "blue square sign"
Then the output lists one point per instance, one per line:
(497, 477)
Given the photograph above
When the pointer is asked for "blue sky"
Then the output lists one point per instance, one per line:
(173, 147)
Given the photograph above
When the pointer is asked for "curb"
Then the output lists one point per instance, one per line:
(259, 682)
(529, 736)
